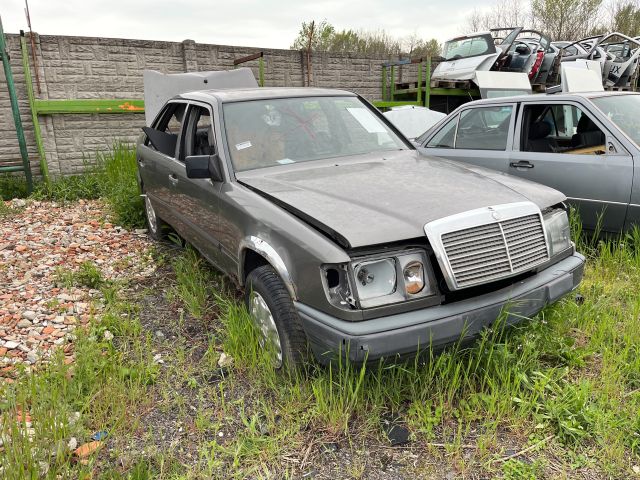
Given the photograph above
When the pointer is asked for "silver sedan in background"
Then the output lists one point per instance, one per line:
(583, 144)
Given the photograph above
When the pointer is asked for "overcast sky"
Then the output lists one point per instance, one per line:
(254, 23)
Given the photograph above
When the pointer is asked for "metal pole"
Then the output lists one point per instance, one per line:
(313, 24)
(419, 93)
(427, 85)
(33, 46)
(15, 109)
(261, 71)
(393, 83)
(384, 83)
(44, 168)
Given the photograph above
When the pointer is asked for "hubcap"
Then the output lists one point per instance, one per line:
(151, 214)
(263, 319)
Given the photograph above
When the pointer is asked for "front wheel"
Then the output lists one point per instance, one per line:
(272, 310)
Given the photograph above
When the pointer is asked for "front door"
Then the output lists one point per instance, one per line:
(198, 200)
(565, 147)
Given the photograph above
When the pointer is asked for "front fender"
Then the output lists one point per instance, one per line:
(265, 250)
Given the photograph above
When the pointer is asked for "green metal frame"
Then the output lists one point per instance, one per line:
(26, 167)
(44, 167)
(115, 105)
(422, 94)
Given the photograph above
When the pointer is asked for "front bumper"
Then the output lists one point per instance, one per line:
(410, 332)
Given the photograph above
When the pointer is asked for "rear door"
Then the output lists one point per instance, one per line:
(563, 145)
(480, 135)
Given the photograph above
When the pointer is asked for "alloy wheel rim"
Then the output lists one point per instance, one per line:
(263, 319)
(151, 214)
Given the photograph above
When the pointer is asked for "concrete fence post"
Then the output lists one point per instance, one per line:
(189, 59)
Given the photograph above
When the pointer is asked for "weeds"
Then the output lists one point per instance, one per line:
(12, 185)
(565, 383)
(193, 282)
(97, 392)
(112, 176)
(87, 275)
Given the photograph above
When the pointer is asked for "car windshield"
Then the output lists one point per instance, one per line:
(271, 132)
(468, 47)
(623, 111)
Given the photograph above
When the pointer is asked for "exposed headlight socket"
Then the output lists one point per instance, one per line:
(336, 283)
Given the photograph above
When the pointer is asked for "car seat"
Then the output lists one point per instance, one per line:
(538, 141)
(587, 134)
(204, 140)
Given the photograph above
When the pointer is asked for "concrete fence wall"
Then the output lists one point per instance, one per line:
(87, 67)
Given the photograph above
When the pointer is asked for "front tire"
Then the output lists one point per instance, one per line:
(272, 310)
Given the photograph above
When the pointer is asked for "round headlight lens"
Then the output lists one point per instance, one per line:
(375, 279)
(413, 274)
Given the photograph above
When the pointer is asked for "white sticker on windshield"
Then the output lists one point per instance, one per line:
(243, 145)
(365, 118)
(284, 161)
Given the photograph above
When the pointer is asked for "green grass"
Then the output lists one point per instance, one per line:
(12, 185)
(567, 381)
(104, 385)
(557, 396)
(87, 275)
(111, 176)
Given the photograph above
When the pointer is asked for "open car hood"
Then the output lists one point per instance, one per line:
(387, 197)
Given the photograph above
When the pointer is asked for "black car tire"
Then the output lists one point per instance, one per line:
(266, 282)
(156, 227)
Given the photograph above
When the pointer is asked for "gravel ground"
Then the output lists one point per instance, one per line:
(42, 239)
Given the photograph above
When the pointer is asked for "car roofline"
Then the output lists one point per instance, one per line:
(261, 93)
(548, 96)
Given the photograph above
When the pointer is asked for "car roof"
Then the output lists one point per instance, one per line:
(261, 93)
(554, 96)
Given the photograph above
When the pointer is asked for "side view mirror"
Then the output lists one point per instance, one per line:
(204, 166)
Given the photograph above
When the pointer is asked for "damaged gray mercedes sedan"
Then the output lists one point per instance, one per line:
(343, 236)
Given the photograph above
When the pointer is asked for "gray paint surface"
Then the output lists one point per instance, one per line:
(348, 195)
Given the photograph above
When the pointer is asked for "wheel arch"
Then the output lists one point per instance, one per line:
(254, 252)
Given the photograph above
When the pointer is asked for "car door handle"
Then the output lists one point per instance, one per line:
(521, 164)
(173, 178)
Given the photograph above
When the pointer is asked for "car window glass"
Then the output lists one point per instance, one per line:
(468, 47)
(199, 138)
(485, 128)
(561, 129)
(622, 110)
(280, 131)
(163, 136)
(445, 137)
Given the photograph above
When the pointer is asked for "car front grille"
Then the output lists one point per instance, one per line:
(485, 253)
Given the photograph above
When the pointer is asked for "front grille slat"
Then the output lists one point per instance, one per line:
(493, 251)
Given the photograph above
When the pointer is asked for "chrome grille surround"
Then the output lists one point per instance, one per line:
(488, 244)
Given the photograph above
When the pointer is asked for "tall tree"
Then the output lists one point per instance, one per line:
(503, 13)
(326, 38)
(567, 19)
(322, 35)
(625, 17)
